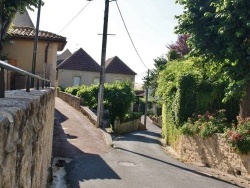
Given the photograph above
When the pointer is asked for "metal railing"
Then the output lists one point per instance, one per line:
(4, 65)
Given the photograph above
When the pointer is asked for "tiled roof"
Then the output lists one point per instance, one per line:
(116, 66)
(81, 61)
(29, 33)
(23, 20)
(63, 56)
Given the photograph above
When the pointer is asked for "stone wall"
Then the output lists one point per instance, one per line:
(26, 134)
(215, 153)
(76, 102)
(121, 128)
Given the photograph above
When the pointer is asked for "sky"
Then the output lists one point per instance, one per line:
(150, 24)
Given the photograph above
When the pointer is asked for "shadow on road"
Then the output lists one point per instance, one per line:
(83, 166)
(174, 165)
(141, 136)
(88, 167)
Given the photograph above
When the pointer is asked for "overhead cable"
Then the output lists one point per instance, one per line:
(130, 36)
(74, 18)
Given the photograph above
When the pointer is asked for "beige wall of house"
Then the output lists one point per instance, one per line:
(66, 77)
(22, 52)
(112, 78)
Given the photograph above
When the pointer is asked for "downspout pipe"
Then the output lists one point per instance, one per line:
(46, 59)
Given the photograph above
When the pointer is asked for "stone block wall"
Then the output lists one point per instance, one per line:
(72, 100)
(26, 135)
(121, 128)
(76, 102)
(215, 153)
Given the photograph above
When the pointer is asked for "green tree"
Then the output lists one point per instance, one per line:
(160, 63)
(219, 31)
(8, 9)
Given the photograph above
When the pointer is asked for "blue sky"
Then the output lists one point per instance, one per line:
(150, 24)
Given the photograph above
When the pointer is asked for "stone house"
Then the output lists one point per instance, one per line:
(78, 69)
(64, 55)
(19, 51)
(81, 69)
(117, 71)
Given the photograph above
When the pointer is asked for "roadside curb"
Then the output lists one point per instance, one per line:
(107, 137)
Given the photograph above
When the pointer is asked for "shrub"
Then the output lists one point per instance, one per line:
(131, 116)
(72, 90)
(239, 136)
(118, 98)
(206, 124)
(59, 88)
(89, 94)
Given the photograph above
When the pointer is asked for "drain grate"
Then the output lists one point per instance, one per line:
(129, 164)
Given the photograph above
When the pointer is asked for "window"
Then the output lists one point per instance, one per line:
(77, 80)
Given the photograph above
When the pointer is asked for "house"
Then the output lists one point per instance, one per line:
(19, 51)
(78, 69)
(64, 55)
(117, 71)
(81, 69)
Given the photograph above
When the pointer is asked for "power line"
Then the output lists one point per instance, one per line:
(145, 72)
(74, 18)
(129, 35)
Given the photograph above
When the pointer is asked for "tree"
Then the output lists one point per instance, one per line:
(8, 9)
(219, 31)
(160, 63)
(180, 47)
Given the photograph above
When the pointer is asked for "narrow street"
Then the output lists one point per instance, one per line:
(136, 160)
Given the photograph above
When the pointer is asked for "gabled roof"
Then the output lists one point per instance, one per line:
(24, 29)
(116, 66)
(81, 61)
(63, 56)
(29, 33)
(23, 20)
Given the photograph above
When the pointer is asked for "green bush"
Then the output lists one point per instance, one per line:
(239, 135)
(118, 98)
(59, 88)
(207, 124)
(131, 116)
(190, 87)
(72, 90)
(89, 94)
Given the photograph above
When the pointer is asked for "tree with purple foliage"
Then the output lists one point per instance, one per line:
(179, 48)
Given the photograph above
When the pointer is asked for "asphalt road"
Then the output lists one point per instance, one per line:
(137, 161)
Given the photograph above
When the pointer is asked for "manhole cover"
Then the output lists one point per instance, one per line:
(130, 164)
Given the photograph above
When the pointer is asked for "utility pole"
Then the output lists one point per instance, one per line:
(146, 102)
(35, 42)
(103, 59)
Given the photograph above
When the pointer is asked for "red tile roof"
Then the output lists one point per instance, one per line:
(81, 61)
(29, 33)
(116, 66)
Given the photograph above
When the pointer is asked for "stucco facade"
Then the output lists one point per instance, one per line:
(111, 78)
(66, 77)
(21, 51)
